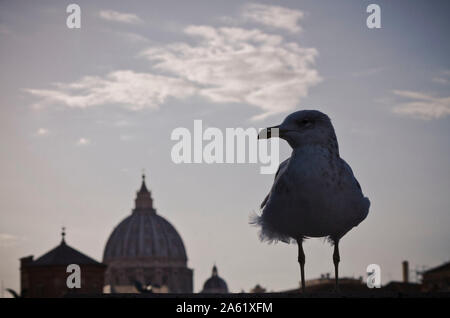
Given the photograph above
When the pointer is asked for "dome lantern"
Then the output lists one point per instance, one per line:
(144, 199)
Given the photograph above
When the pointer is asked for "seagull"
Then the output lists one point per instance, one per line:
(315, 193)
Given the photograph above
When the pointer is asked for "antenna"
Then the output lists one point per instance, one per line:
(419, 273)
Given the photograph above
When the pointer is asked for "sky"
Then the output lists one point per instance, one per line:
(83, 111)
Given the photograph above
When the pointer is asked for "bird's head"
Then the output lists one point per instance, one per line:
(304, 127)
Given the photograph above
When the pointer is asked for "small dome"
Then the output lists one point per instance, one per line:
(215, 284)
(144, 234)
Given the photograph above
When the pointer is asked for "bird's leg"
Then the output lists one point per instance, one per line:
(301, 261)
(336, 259)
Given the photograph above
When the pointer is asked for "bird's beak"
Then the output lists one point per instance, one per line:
(269, 132)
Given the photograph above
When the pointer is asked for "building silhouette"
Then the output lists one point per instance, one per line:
(47, 275)
(146, 250)
(326, 283)
(437, 279)
(404, 286)
(258, 289)
(215, 284)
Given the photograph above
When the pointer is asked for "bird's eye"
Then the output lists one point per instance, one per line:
(305, 123)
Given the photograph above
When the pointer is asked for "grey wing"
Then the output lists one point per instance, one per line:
(364, 202)
(279, 172)
(350, 171)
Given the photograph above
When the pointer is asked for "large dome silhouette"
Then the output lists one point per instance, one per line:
(144, 234)
(145, 249)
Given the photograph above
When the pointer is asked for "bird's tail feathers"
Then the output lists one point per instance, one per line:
(266, 233)
(254, 218)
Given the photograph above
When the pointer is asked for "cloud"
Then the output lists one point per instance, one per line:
(83, 142)
(122, 123)
(220, 64)
(7, 240)
(42, 132)
(241, 65)
(132, 37)
(130, 89)
(126, 137)
(441, 80)
(422, 106)
(115, 16)
(273, 16)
